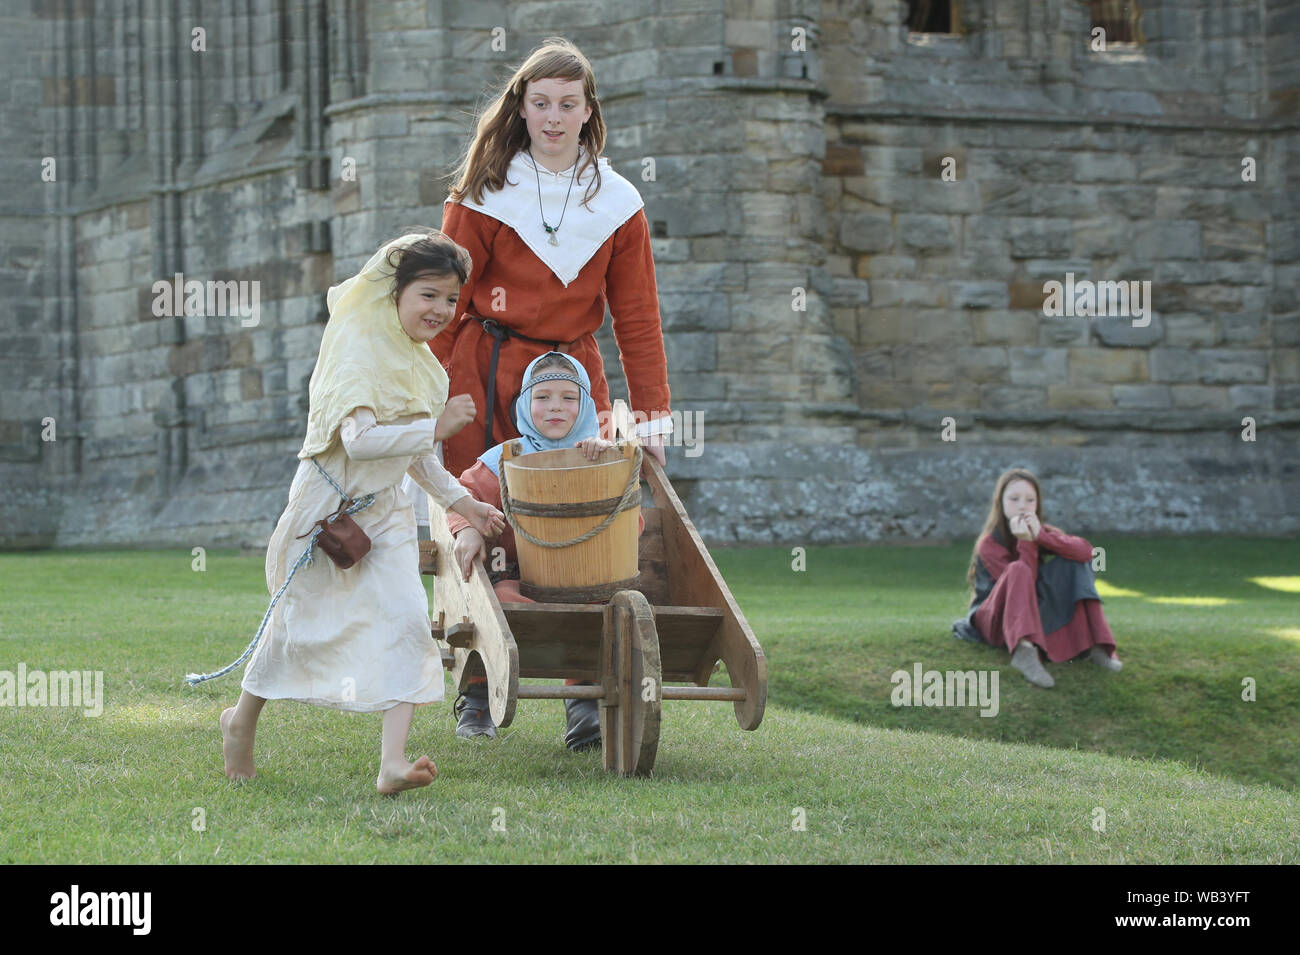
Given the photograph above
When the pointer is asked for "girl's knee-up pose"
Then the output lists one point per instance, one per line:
(1034, 586)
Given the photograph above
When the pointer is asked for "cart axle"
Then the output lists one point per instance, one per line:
(560, 691)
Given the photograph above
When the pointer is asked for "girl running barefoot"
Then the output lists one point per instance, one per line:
(358, 639)
(1034, 587)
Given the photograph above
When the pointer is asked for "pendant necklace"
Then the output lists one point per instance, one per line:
(551, 230)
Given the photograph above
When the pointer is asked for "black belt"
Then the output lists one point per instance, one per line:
(499, 334)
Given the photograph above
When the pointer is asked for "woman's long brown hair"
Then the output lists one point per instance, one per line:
(502, 132)
(997, 520)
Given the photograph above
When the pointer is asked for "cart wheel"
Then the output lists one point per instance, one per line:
(633, 682)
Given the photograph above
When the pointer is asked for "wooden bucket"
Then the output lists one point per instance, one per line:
(582, 494)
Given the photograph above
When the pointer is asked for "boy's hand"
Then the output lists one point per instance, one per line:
(470, 547)
(592, 447)
(458, 413)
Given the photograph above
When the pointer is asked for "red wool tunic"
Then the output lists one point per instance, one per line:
(510, 285)
(1010, 612)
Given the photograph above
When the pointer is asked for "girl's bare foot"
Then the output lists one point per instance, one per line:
(395, 777)
(236, 747)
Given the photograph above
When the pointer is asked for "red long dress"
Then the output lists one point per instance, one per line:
(510, 285)
(1010, 612)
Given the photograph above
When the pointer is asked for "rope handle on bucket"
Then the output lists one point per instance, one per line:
(631, 498)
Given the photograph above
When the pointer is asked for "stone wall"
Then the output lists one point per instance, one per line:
(1116, 165)
(36, 361)
(829, 299)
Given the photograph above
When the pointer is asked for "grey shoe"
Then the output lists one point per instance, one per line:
(1025, 659)
(1104, 660)
(473, 717)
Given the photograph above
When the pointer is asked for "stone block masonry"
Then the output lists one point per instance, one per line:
(852, 238)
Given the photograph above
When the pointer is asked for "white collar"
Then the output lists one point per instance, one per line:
(583, 229)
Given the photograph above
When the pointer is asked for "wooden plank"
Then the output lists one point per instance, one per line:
(491, 647)
(561, 640)
(541, 620)
(629, 717)
(428, 558)
(684, 656)
(567, 671)
(652, 537)
(535, 622)
(556, 640)
(653, 581)
(730, 694)
(460, 634)
(561, 691)
(693, 580)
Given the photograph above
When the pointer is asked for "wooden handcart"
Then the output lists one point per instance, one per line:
(661, 641)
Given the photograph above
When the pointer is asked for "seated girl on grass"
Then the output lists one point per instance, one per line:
(1034, 586)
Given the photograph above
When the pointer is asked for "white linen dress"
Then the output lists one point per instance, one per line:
(355, 639)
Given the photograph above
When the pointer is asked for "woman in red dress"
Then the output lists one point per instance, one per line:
(1034, 585)
(555, 235)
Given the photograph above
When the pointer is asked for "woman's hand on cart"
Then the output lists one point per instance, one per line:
(485, 518)
(470, 547)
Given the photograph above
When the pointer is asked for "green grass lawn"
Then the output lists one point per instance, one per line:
(1197, 623)
(1184, 769)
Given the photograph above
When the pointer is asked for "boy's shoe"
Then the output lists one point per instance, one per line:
(473, 718)
(1025, 659)
(1104, 660)
(582, 725)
